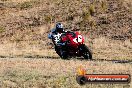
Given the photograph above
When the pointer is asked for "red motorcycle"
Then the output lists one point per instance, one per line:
(73, 45)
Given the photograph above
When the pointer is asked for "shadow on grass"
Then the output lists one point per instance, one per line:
(30, 56)
(114, 61)
(78, 58)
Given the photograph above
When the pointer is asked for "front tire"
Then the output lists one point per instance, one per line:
(86, 53)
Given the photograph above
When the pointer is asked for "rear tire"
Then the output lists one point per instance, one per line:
(64, 55)
(61, 53)
(57, 51)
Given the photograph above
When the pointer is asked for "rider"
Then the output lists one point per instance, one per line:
(56, 33)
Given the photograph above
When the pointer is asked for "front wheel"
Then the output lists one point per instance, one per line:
(86, 53)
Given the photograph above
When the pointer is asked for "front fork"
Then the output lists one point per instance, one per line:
(81, 50)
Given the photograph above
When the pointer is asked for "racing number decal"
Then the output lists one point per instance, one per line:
(78, 39)
(57, 37)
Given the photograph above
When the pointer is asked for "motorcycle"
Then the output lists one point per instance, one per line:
(73, 45)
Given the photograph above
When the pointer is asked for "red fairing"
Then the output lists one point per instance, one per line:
(81, 35)
(74, 39)
(64, 38)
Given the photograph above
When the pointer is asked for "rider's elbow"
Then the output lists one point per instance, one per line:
(49, 36)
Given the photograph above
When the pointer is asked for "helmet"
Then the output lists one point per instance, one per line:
(59, 27)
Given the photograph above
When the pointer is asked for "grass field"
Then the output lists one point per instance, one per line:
(28, 67)
(24, 46)
(56, 73)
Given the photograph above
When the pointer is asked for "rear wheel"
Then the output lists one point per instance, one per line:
(62, 53)
(86, 53)
(57, 51)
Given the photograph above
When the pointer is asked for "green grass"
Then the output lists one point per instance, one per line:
(103, 6)
(48, 18)
(27, 4)
(92, 9)
(2, 29)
